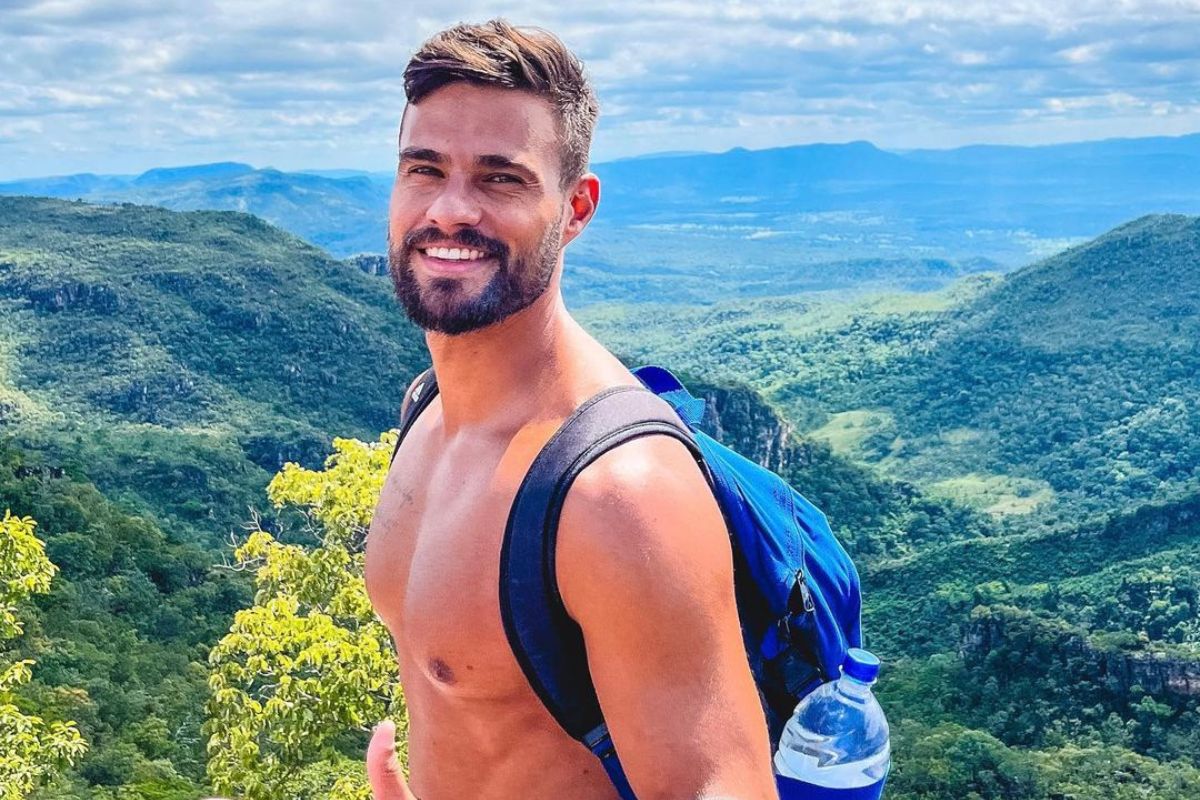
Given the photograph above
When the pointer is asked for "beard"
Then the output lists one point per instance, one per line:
(443, 305)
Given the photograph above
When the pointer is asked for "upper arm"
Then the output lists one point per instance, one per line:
(645, 567)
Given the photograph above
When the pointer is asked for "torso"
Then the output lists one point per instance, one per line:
(477, 729)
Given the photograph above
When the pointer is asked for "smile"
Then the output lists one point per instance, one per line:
(454, 253)
(453, 260)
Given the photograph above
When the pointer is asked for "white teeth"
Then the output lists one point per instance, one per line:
(454, 253)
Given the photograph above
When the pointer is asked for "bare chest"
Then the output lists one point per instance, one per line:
(433, 566)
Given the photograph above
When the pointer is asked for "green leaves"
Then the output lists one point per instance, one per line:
(24, 569)
(309, 661)
(30, 748)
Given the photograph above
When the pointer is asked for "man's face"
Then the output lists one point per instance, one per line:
(475, 229)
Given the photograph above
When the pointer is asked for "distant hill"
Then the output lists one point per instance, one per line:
(1137, 284)
(343, 212)
(702, 221)
(1079, 371)
(1004, 203)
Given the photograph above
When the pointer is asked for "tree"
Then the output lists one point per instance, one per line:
(30, 748)
(309, 667)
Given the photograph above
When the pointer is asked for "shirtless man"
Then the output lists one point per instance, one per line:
(491, 186)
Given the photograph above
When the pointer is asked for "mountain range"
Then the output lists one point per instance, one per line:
(343, 213)
(742, 218)
(156, 369)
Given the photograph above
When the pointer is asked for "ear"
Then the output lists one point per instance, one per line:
(582, 200)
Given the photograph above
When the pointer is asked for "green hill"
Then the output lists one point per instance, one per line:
(1066, 387)
(1078, 372)
(1062, 657)
(181, 358)
(1087, 636)
(1138, 284)
(343, 213)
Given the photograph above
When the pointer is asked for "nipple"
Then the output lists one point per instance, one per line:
(441, 671)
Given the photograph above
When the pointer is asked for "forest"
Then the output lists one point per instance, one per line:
(195, 421)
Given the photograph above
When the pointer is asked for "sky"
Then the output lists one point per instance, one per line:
(120, 86)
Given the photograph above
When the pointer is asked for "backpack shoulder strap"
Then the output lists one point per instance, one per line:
(417, 397)
(547, 643)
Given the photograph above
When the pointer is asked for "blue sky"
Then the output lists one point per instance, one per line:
(117, 86)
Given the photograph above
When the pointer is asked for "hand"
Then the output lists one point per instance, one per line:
(383, 768)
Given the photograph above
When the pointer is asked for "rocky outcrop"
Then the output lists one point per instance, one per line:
(1156, 673)
(148, 399)
(369, 263)
(738, 418)
(76, 296)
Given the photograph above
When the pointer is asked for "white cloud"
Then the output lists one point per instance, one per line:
(1113, 100)
(970, 58)
(1086, 53)
(823, 39)
(19, 129)
(121, 85)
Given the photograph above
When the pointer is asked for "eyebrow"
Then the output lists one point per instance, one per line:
(498, 162)
(421, 154)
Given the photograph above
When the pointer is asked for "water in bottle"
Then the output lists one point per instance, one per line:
(836, 743)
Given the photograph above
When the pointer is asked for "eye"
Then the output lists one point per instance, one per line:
(503, 177)
(422, 169)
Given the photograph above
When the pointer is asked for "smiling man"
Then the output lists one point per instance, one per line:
(491, 187)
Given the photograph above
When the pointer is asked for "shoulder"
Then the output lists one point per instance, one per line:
(642, 515)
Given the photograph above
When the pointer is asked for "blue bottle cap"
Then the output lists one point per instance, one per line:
(860, 665)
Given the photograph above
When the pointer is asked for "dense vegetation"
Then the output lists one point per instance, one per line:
(180, 359)
(31, 749)
(119, 640)
(1066, 388)
(157, 368)
(1059, 658)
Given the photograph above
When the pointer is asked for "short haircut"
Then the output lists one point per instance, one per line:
(496, 53)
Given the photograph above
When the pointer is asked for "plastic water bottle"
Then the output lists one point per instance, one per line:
(836, 743)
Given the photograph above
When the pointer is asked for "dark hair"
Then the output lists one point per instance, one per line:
(496, 53)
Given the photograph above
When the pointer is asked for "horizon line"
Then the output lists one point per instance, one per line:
(640, 156)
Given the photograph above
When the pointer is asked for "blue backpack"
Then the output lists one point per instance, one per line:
(797, 590)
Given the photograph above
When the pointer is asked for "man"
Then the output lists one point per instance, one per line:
(491, 186)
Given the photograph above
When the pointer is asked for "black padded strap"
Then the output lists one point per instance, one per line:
(548, 644)
(418, 396)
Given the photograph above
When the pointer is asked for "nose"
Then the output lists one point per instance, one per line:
(454, 206)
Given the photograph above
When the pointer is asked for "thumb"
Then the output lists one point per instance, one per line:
(383, 768)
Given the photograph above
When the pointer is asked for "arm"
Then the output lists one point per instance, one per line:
(644, 566)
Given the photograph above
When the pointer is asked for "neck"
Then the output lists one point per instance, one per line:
(506, 374)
